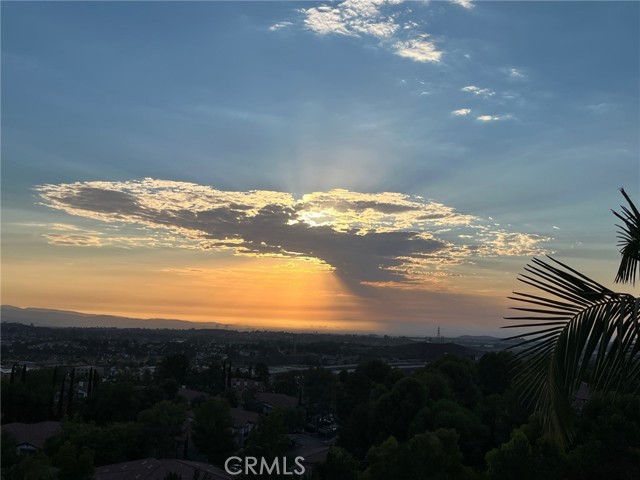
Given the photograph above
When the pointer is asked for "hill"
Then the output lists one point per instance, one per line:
(42, 317)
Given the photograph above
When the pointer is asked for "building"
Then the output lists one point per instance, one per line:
(241, 384)
(30, 437)
(243, 423)
(192, 395)
(276, 400)
(311, 448)
(153, 469)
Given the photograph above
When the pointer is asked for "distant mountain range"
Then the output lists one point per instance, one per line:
(41, 317)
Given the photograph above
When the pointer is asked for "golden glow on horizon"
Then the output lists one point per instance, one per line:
(260, 293)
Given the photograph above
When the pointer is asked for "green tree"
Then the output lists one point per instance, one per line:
(339, 465)
(463, 378)
(172, 476)
(75, 463)
(28, 401)
(607, 439)
(582, 332)
(514, 459)
(174, 366)
(113, 402)
(8, 455)
(393, 412)
(436, 383)
(353, 433)
(113, 443)
(494, 372)
(160, 425)
(212, 430)
(377, 371)
(319, 391)
(268, 439)
(33, 467)
(293, 418)
(430, 455)
(262, 372)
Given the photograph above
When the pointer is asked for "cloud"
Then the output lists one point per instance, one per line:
(493, 118)
(279, 26)
(515, 73)
(601, 108)
(461, 112)
(352, 17)
(73, 240)
(485, 92)
(464, 3)
(418, 50)
(71, 235)
(365, 238)
(381, 20)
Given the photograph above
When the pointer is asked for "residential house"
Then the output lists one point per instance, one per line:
(243, 423)
(30, 437)
(276, 400)
(153, 469)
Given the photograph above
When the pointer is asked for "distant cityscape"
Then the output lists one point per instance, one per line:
(44, 338)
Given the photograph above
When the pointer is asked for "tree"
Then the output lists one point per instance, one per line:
(339, 465)
(393, 412)
(74, 463)
(608, 437)
(428, 455)
(514, 459)
(262, 372)
(174, 366)
(583, 332)
(268, 439)
(494, 372)
(160, 425)
(113, 402)
(212, 430)
(9, 452)
(34, 467)
(28, 401)
(172, 476)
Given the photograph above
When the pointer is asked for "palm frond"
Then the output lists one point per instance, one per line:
(583, 333)
(629, 241)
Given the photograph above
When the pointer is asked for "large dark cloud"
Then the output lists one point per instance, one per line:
(366, 238)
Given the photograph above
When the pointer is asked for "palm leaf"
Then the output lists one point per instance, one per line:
(629, 241)
(583, 333)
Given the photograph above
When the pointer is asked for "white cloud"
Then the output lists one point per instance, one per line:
(419, 50)
(493, 118)
(515, 73)
(461, 112)
(352, 17)
(601, 108)
(485, 92)
(373, 18)
(363, 237)
(464, 3)
(279, 26)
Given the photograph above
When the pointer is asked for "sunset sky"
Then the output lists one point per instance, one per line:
(368, 166)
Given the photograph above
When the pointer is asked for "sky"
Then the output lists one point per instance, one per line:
(372, 166)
